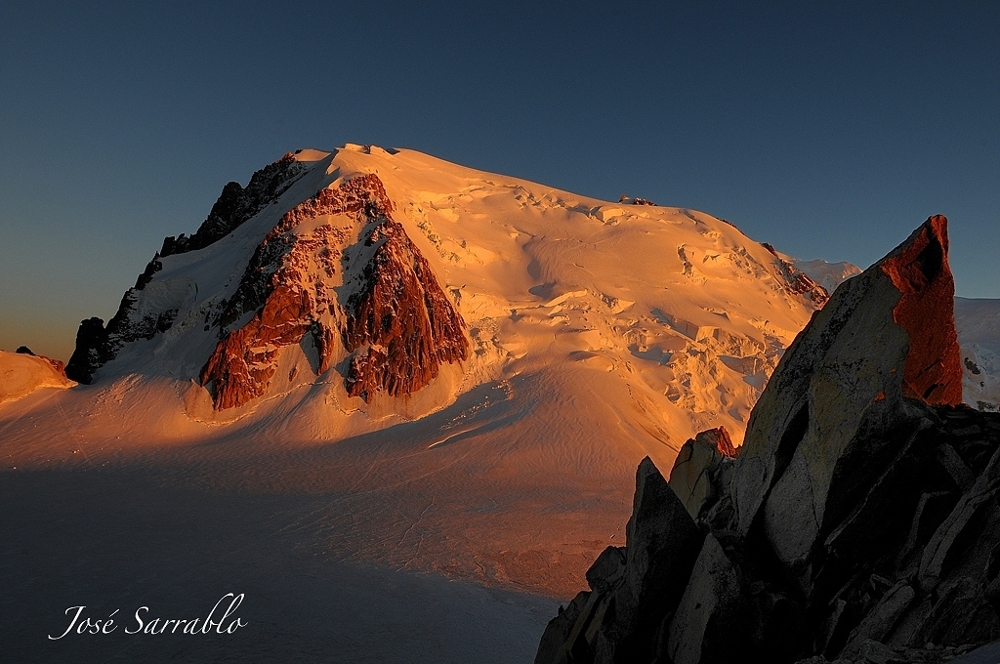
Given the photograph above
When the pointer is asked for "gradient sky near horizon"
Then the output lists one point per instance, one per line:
(830, 130)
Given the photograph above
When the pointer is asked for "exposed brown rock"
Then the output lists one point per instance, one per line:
(282, 257)
(243, 363)
(285, 301)
(397, 321)
(400, 324)
(919, 270)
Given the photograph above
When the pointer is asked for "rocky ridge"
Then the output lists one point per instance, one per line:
(858, 523)
(97, 343)
(237, 205)
(798, 282)
(400, 325)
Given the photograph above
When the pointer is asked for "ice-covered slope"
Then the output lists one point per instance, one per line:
(978, 323)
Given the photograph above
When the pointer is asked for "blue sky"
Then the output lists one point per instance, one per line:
(830, 130)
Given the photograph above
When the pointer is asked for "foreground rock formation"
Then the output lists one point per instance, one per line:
(858, 523)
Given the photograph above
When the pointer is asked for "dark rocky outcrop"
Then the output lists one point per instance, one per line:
(633, 592)
(91, 350)
(237, 204)
(859, 522)
(96, 344)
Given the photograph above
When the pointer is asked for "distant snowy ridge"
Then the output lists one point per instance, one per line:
(24, 373)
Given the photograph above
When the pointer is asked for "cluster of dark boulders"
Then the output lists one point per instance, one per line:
(858, 523)
(634, 201)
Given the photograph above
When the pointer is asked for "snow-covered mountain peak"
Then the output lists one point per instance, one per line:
(670, 314)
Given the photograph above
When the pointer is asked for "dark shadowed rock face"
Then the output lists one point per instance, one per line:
(397, 322)
(633, 592)
(859, 522)
(237, 205)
